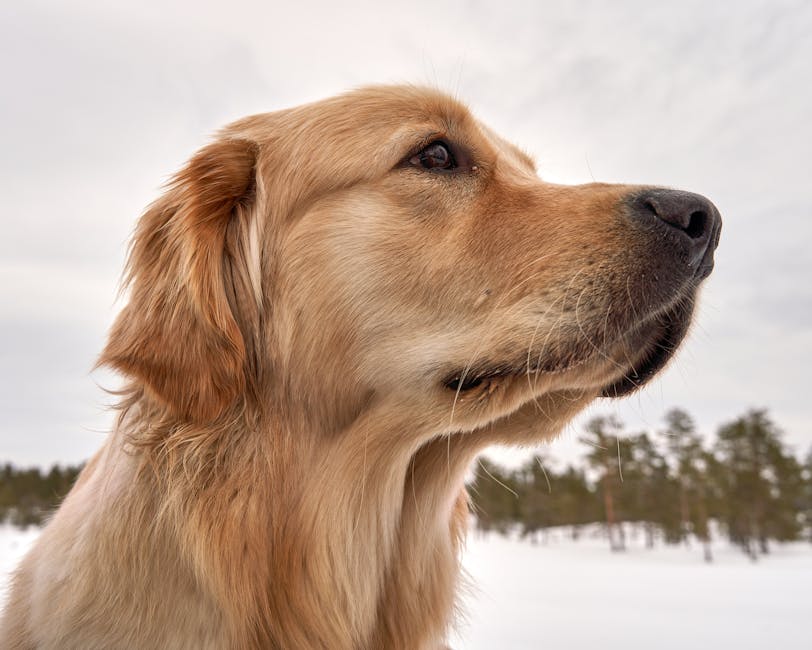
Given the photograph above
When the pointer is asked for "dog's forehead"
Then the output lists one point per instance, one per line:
(409, 112)
(422, 111)
(389, 120)
(508, 149)
(409, 103)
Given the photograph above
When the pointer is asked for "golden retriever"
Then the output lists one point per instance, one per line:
(332, 310)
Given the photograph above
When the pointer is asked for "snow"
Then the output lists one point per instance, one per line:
(575, 595)
(13, 545)
(578, 595)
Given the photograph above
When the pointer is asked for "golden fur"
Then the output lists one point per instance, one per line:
(320, 337)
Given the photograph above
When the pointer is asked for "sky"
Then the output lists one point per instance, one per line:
(101, 102)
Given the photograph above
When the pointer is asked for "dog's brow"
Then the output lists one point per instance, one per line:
(409, 139)
(525, 158)
(512, 151)
(427, 137)
(518, 155)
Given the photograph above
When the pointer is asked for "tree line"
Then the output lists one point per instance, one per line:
(674, 485)
(28, 496)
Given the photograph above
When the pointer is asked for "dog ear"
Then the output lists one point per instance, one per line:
(193, 276)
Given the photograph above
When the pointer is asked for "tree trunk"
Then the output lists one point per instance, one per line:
(609, 506)
(704, 525)
(621, 536)
(708, 553)
(684, 515)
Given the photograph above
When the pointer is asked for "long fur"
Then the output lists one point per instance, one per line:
(288, 465)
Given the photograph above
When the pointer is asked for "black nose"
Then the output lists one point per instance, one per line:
(691, 217)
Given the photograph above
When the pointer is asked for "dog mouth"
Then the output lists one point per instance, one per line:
(646, 349)
(657, 342)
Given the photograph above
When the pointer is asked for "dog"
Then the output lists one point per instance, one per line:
(332, 310)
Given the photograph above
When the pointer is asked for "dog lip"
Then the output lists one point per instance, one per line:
(658, 338)
(660, 348)
(462, 380)
(704, 271)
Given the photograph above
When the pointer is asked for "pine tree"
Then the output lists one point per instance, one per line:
(536, 498)
(688, 463)
(494, 497)
(27, 496)
(648, 493)
(784, 517)
(806, 503)
(748, 447)
(574, 500)
(604, 457)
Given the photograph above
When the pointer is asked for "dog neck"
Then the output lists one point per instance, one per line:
(302, 539)
(344, 539)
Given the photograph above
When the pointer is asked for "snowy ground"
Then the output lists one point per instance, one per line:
(13, 545)
(564, 595)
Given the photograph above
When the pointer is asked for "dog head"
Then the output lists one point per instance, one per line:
(386, 245)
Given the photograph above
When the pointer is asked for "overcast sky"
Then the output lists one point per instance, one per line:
(102, 101)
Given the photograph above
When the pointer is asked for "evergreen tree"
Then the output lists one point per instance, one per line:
(602, 435)
(806, 504)
(648, 493)
(574, 501)
(536, 498)
(27, 496)
(688, 462)
(784, 516)
(748, 447)
(494, 496)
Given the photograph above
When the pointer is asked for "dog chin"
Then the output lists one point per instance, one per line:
(655, 344)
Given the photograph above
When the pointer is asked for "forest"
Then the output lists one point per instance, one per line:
(672, 485)
(28, 496)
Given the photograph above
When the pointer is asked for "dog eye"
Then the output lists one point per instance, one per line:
(434, 156)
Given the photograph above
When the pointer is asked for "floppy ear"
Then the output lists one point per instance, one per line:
(194, 289)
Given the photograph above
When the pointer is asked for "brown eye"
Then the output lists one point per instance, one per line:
(435, 156)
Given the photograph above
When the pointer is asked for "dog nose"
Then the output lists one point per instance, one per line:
(694, 219)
